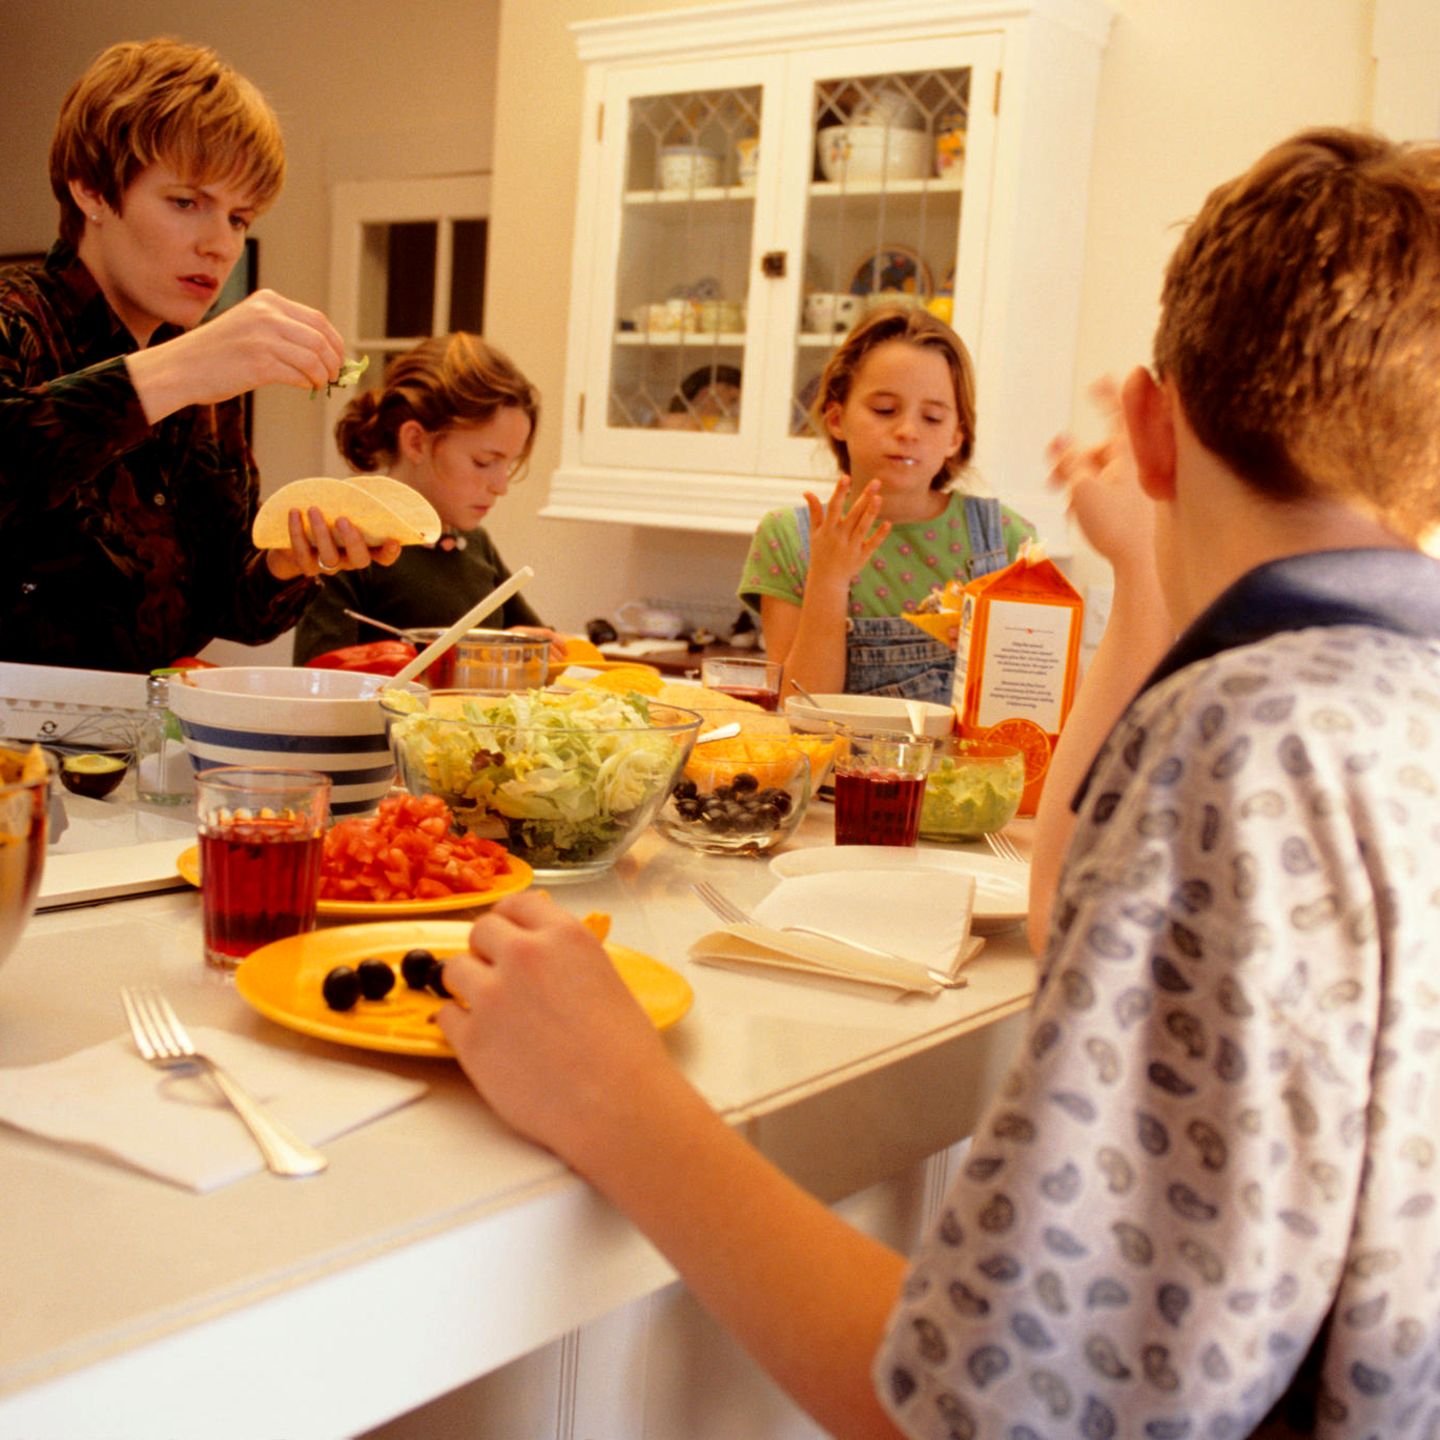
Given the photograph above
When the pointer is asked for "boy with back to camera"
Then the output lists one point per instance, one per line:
(1203, 1202)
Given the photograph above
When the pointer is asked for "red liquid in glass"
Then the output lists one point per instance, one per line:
(260, 880)
(879, 808)
(765, 699)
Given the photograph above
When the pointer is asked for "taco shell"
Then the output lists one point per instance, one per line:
(382, 509)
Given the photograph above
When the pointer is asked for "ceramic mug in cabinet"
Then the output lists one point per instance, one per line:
(832, 312)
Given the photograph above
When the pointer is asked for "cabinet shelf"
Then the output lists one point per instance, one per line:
(702, 195)
(866, 189)
(699, 340)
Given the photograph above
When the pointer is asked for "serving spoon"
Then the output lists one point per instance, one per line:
(477, 612)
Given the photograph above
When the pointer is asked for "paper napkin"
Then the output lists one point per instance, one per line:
(176, 1125)
(922, 918)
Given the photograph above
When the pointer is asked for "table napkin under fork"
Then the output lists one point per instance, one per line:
(108, 1102)
(921, 917)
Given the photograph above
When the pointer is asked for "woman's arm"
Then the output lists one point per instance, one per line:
(554, 1042)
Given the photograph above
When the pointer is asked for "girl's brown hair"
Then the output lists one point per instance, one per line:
(915, 327)
(445, 383)
(162, 100)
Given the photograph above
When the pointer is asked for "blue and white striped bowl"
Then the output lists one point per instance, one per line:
(300, 719)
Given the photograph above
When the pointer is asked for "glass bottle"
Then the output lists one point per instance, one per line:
(163, 770)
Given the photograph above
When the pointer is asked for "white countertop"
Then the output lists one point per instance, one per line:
(134, 1305)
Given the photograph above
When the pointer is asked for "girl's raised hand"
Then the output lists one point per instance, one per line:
(842, 540)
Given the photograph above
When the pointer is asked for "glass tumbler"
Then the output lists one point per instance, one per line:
(879, 786)
(261, 834)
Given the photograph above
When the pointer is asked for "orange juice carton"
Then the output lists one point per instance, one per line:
(1017, 659)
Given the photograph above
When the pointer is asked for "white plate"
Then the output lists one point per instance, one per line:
(874, 712)
(1002, 889)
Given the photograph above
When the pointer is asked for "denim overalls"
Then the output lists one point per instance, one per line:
(886, 654)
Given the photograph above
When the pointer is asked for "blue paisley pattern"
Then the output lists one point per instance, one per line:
(1203, 1204)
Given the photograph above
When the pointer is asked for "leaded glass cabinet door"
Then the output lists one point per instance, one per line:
(674, 323)
(891, 156)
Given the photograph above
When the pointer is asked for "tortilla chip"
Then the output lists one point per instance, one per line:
(382, 508)
(719, 709)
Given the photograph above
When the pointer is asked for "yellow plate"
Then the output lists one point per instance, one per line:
(519, 878)
(283, 981)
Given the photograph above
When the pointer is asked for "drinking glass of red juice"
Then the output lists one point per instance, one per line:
(757, 681)
(261, 833)
(879, 784)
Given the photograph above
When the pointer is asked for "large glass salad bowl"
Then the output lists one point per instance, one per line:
(565, 780)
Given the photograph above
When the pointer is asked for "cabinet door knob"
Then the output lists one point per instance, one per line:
(772, 264)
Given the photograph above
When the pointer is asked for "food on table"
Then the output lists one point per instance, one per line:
(597, 922)
(93, 775)
(745, 794)
(568, 779)
(380, 507)
(341, 988)
(380, 657)
(415, 968)
(972, 792)
(642, 679)
(405, 851)
(376, 978)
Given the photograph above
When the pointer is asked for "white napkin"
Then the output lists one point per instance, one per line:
(921, 917)
(177, 1125)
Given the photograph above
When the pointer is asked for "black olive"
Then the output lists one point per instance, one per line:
(377, 979)
(341, 988)
(688, 809)
(415, 967)
(685, 790)
(436, 979)
(744, 781)
(780, 799)
(767, 816)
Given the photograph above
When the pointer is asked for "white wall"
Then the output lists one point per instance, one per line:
(1191, 91)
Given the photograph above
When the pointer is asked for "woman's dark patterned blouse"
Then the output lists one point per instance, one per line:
(1204, 1203)
(122, 545)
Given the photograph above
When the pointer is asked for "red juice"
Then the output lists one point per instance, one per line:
(259, 882)
(765, 699)
(877, 807)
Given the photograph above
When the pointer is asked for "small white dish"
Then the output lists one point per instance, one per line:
(868, 712)
(1002, 889)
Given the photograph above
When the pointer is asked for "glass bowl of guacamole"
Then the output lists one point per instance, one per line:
(973, 789)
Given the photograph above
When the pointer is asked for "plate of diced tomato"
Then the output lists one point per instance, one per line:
(403, 860)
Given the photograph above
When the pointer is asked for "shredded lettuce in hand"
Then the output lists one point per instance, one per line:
(350, 373)
(569, 776)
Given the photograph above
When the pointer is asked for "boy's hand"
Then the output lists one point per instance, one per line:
(334, 548)
(545, 1028)
(266, 339)
(1102, 491)
(841, 540)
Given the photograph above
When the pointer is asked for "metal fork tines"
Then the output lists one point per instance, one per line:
(163, 1041)
(727, 910)
(1004, 847)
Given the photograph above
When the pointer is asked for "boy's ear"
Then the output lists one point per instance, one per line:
(85, 197)
(1149, 412)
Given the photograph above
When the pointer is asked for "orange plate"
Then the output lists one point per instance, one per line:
(520, 876)
(283, 981)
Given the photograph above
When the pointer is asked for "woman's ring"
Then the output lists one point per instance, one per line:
(328, 569)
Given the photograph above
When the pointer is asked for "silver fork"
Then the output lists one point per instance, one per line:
(162, 1040)
(728, 911)
(1004, 848)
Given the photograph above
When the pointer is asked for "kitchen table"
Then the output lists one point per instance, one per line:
(438, 1247)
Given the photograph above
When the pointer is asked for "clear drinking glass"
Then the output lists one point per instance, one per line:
(879, 785)
(261, 833)
(757, 681)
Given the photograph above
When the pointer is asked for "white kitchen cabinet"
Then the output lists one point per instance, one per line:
(719, 195)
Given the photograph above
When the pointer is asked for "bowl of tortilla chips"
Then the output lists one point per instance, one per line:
(24, 810)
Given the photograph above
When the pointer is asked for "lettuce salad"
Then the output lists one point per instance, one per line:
(563, 779)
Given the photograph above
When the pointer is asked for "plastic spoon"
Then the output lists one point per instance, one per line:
(720, 732)
(478, 611)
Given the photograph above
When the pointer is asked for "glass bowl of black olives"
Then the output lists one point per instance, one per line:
(739, 797)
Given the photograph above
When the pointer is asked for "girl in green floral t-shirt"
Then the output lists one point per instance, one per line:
(833, 582)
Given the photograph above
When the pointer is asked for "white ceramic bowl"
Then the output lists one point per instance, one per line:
(298, 718)
(873, 152)
(685, 166)
(867, 712)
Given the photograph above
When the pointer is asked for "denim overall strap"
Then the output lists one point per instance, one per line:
(986, 523)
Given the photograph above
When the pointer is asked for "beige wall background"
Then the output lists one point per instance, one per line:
(1191, 91)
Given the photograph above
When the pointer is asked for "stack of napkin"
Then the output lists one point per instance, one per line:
(176, 1124)
(921, 917)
